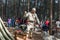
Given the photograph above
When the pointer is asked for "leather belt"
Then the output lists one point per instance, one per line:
(31, 21)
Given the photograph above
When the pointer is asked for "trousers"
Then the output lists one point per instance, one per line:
(29, 26)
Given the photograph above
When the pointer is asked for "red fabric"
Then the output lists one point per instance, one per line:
(18, 31)
(26, 22)
(18, 21)
(47, 22)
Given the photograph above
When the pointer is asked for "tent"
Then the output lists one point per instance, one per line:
(4, 33)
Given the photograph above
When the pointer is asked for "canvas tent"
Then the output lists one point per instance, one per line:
(4, 33)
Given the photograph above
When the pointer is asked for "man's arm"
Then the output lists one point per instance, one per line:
(26, 14)
(37, 19)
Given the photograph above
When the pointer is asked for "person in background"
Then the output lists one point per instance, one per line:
(47, 23)
(13, 21)
(44, 27)
(16, 22)
(58, 23)
(58, 29)
(9, 22)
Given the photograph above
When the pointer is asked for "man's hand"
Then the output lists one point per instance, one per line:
(25, 12)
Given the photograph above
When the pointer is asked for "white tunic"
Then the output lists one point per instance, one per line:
(58, 24)
(31, 17)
